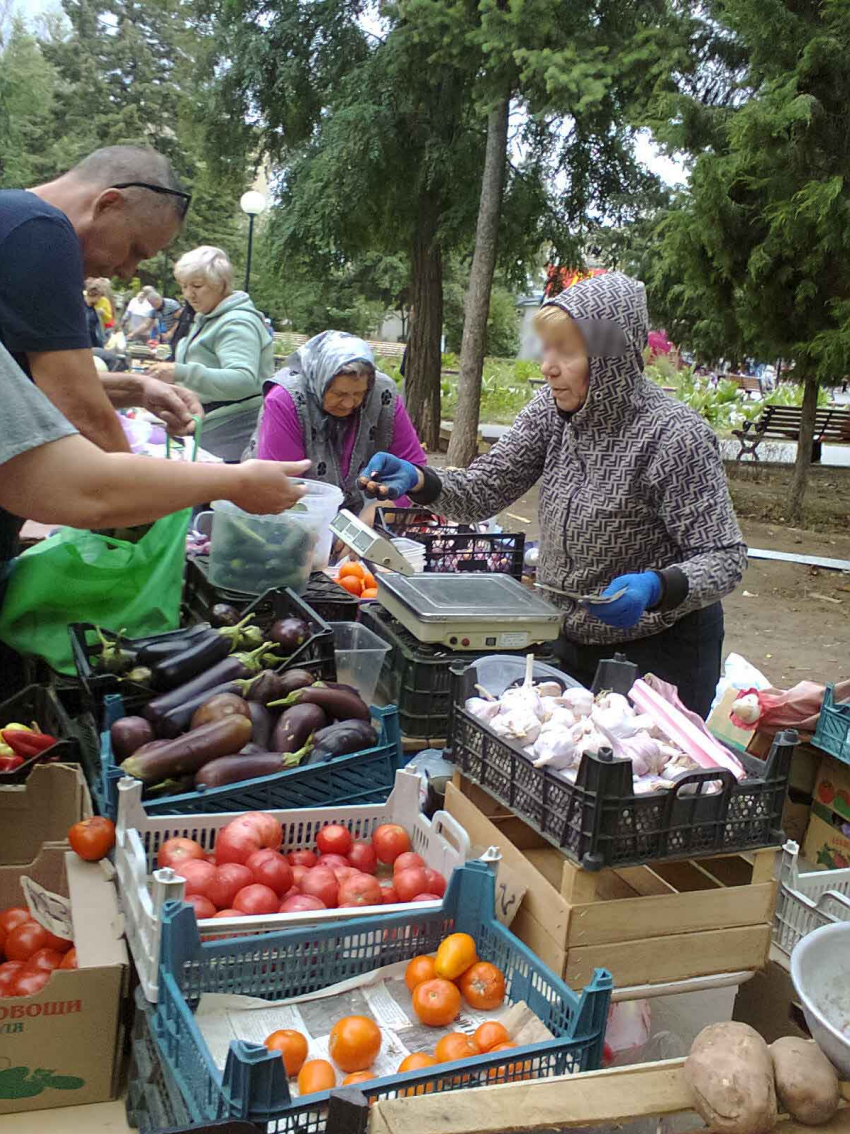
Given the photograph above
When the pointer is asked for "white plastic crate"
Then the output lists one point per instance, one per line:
(808, 900)
(143, 889)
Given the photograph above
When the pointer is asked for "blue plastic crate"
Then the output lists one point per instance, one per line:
(833, 732)
(360, 777)
(296, 962)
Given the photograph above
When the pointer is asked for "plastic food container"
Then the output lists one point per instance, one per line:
(820, 970)
(254, 553)
(359, 657)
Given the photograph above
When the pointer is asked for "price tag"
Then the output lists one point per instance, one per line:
(50, 910)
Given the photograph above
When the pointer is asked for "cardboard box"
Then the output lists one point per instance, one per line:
(54, 797)
(827, 842)
(62, 1046)
(647, 926)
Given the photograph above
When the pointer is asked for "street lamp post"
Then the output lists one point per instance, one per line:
(252, 203)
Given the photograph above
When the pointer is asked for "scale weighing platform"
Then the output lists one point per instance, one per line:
(476, 611)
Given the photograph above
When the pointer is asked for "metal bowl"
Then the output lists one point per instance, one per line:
(820, 970)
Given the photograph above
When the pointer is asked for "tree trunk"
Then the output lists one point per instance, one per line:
(804, 450)
(463, 446)
(424, 360)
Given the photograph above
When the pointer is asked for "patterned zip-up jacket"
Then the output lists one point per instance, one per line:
(633, 481)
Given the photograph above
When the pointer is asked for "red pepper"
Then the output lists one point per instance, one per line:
(9, 763)
(26, 744)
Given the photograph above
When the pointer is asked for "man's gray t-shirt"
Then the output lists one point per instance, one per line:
(29, 420)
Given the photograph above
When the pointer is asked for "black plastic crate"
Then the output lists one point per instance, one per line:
(154, 1101)
(455, 547)
(416, 676)
(40, 704)
(282, 603)
(329, 600)
(598, 821)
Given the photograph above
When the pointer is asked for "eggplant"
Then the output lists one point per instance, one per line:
(337, 703)
(295, 726)
(290, 633)
(268, 686)
(230, 669)
(128, 735)
(178, 719)
(342, 738)
(175, 758)
(263, 723)
(252, 749)
(184, 632)
(195, 659)
(223, 614)
(113, 658)
(217, 708)
(159, 651)
(232, 769)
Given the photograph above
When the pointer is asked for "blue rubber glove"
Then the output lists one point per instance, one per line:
(386, 477)
(642, 591)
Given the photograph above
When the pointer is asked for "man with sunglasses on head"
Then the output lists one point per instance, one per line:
(115, 208)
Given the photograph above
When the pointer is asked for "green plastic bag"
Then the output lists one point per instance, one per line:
(83, 576)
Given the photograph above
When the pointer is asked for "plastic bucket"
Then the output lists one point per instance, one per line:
(255, 553)
(360, 655)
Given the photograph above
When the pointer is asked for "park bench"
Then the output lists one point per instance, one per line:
(747, 383)
(782, 423)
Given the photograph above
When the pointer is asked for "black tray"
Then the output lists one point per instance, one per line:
(76, 742)
(455, 547)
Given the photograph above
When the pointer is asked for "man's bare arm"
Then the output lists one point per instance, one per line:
(70, 380)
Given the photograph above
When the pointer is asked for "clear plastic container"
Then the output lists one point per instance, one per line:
(359, 657)
(253, 553)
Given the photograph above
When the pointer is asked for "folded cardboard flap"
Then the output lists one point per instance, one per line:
(41, 810)
(97, 923)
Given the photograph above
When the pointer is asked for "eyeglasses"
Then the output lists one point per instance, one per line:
(184, 198)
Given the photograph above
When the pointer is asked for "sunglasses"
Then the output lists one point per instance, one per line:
(185, 199)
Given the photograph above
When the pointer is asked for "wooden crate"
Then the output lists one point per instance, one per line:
(671, 922)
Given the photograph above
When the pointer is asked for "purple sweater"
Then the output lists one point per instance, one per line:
(281, 438)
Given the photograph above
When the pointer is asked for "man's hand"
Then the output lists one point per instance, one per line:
(264, 487)
(163, 371)
(174, 404)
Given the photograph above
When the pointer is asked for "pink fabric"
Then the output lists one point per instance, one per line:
(281, 438)
(798, 707)
(659, 343)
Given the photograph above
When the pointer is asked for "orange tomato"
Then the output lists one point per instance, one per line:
(369, 592)
(491, 1033)
(354, 1043)
(351, 583)
(419, 969)
(316, 1075)
(456, 1045)
(369, 580)
(513, 1071)
(483, 985)
(292, 1046)
(357, 1077)
(436, 1002)
(454, 956)
(353, 568)
(416, 1062)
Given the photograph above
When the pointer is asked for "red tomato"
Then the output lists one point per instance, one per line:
(228, 881)
(256, 900)
(26, 939)
(12, 916)
(362, 857)
(321, 883)
(300, 902)
(334, 839)
(360, 890)
(427, 898)
(203, 906)
(260, 856)
(409, 883)
(389, 841)
(274, 872)
(8, 975)
(2, 939)
(436, 881)
(388, 894)
(306, 858)
(60, 944)
(298, 873)
(406, 860)
(92, 839)
(236, 843)
(199, 876)
(30, 982)
(291, 892)
(269, 830)
(177, 850)
(229, 913)
(69, 961)
(44, 959)
(332, 861)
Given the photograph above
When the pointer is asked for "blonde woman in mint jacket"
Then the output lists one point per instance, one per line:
(227, 354)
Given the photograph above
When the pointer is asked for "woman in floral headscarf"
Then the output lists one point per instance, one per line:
(330, 404)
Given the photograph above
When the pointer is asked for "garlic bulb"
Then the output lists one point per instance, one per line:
(615, 701)
(579, 700)
(548, 689)
(553, 750)
(747, 709)
(614, 722)
(480, 709)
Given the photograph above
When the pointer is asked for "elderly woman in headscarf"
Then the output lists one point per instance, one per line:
(330, 404)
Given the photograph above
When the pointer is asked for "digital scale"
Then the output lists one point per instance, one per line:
(463, 611)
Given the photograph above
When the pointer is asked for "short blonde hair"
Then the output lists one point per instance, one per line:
(210, 262)
(550, 317)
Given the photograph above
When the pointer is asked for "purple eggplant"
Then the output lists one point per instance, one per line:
(269, 686)
(197, 658)
(232, 769)
(337, 703)
(262, 722)
(342, 738)
(156, 652)
(178, 718)
(295, 727)
(233, 668)
(186, 754)
(217, 708)
(290, 633)
(128, 735)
